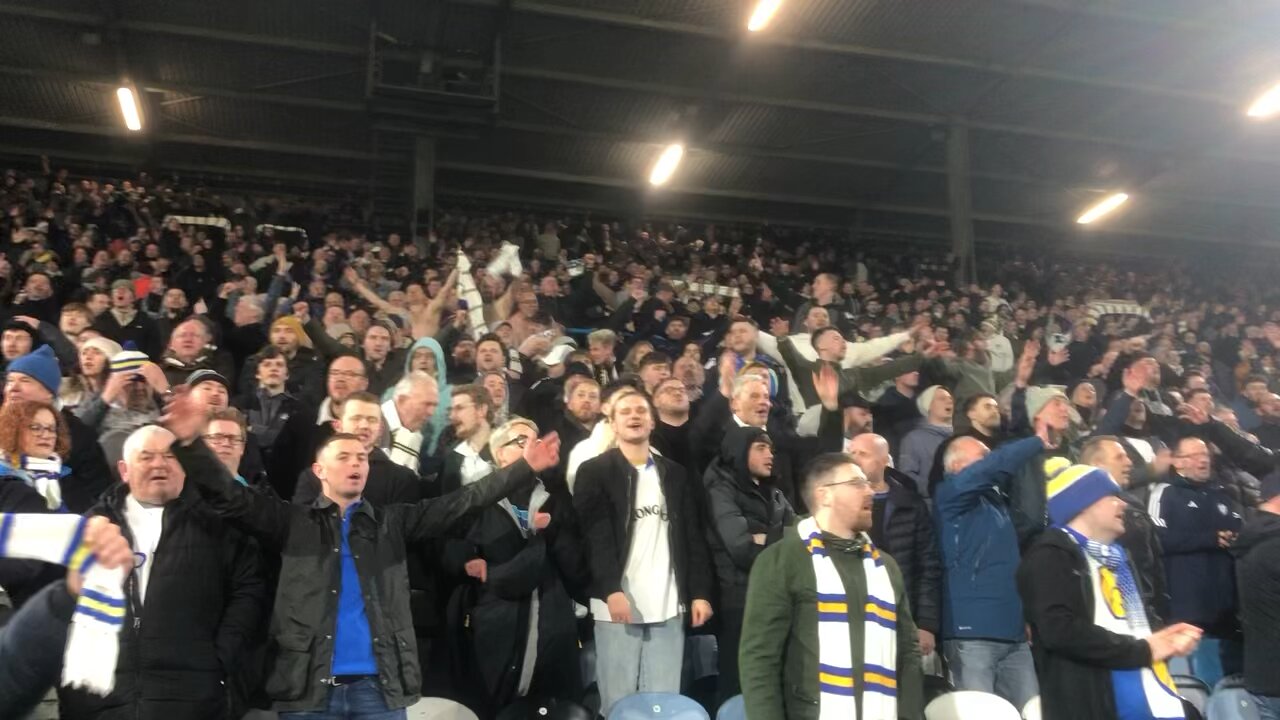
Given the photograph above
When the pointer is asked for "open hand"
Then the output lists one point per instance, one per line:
(543, 453)
(827, 384)
(184, 415)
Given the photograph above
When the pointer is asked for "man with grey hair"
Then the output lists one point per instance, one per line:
(194, 609)
(413, 401)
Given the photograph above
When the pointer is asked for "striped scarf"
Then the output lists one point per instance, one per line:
(1118, 607)
(89, 661)
(837, 686)
(44, 475)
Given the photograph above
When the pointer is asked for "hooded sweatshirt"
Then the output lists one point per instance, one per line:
(1257, 554)
(739, 509)
(440, 420)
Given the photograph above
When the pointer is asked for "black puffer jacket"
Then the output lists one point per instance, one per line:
(906, 530)
(204, 605)
(1257, 553)
(740, 507)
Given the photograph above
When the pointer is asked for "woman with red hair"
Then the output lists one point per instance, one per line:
(33, 440)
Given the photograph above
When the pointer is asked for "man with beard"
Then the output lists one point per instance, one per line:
(670, 433)
(579, 417)
(748, 512)
(867, 663)
(468, 460)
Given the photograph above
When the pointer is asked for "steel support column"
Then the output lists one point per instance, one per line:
(424, 183)
(960, 203)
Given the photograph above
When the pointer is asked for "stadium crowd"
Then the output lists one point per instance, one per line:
(355, 470)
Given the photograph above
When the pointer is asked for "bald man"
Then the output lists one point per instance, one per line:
(983, 635)
(901, 525)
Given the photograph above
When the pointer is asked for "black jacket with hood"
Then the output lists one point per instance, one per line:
(1257, 554)
(739, 508)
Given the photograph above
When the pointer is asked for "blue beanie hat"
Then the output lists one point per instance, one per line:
(1075, 488)
(41, 365)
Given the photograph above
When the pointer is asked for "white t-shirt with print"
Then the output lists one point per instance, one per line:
(648, 579)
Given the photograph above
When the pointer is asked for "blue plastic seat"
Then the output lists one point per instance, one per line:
(735, 708)
(647, 706)
(1233, 704)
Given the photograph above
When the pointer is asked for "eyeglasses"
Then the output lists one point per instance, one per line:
(856, 482)
(345, 374)
(223, 439)
(519, 441)
(38, 429)
(673, 388)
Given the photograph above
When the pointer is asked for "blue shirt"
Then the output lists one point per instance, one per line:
(353, 643)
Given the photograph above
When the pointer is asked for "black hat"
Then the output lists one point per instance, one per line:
(200, 376)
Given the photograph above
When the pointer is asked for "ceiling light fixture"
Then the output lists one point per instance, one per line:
(763, 13)
(667, 163)
(129, 108)
(1104, 208)
(1267, 104)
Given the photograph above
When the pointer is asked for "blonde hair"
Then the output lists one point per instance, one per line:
(506, 431)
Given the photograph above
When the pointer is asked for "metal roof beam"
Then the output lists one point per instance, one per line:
(184, 89)
(188, 31)
(180, 138)
(917, 210)
(749, 151)
(930, 119)
(626, 20)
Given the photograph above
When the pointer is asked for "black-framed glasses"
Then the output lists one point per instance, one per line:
(38, 429)
(519, 441)
(223, 439)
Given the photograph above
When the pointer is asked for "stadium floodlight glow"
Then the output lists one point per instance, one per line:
(667, 163)
(764, 12)
(1267, 104)
(1104, 208)
(129, 108)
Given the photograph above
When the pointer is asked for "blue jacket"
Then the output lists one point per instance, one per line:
(1200, 574)
(980, 546)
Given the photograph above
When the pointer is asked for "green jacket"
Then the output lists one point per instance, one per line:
(778, 656)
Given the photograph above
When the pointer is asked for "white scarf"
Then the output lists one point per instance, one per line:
(406, 444)
(837, 686)
(93, 643)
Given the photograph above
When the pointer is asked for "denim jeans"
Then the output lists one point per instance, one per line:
(1003, 668)
(638, 658)
(358, 701)
(1268, 707)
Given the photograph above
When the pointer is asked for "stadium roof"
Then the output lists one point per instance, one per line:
(838, 114)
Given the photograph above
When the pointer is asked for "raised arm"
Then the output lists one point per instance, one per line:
(859, 354)
(432, 517)
(265, 517)
(994, 470)
(353, 279)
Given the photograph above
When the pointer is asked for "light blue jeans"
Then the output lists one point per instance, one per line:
(638, 658)
(1004, 668)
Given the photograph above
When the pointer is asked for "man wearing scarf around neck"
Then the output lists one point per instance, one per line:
(1096, 655)
(827, 630)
